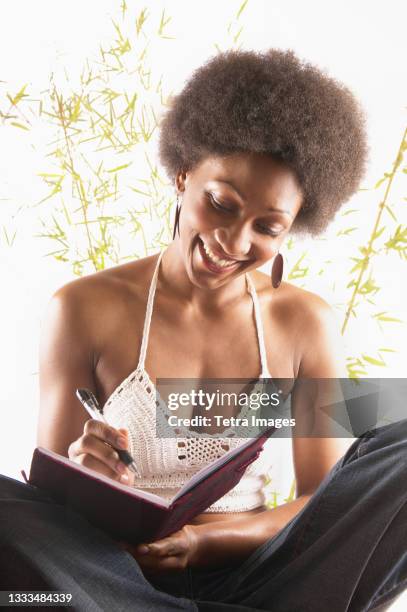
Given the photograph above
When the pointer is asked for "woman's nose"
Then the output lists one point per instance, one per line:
(235, 241)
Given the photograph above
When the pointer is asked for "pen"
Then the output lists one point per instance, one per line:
(91, 405)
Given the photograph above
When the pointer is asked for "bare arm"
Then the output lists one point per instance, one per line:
(66, 362)
(314, 451)
(68, 351)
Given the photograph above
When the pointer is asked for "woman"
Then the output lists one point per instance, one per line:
(259, 146)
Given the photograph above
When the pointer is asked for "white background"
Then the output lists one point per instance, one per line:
(361, 43)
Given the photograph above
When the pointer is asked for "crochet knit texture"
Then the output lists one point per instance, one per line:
(167, 463)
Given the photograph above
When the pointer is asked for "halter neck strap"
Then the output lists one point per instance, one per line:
(259, 327)
(149, 311)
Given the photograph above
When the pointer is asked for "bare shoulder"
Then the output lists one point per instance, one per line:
(298, 304)
(113, 284)
(310, 324)
(97, 301)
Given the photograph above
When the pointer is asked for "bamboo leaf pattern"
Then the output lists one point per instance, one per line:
(364, 288)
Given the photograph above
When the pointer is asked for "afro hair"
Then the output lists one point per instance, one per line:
(273, 103)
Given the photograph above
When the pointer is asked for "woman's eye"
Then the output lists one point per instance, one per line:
(268, 230)
(265, 229)
(217, 204)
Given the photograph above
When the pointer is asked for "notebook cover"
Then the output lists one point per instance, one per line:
(114, 510)
(215, 486)
(120, 513)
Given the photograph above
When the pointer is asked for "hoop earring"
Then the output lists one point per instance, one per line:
(176, 221)
(277, 270)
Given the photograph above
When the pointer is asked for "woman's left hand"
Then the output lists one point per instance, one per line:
(175, 552)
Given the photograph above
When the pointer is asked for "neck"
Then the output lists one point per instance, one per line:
(174, 278)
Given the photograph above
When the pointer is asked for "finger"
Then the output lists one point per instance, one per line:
(125, 438)
(155, 565)
(124, 432)
(92, 444)
(88, 444)
(94, 464)
(172, 563)
(106, 433)
(167, 546)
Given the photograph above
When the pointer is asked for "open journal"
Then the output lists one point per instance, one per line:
(131, 514)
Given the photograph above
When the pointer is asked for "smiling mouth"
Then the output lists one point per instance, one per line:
(214, 263)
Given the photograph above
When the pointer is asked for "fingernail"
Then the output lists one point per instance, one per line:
(121, 468)
(124, 479)
(121, 442)
(143, 549)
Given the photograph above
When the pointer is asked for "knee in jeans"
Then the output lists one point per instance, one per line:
(391, 435)
(9, 486)
(381, 437)
(15, 489)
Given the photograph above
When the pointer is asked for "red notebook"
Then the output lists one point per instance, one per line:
(131, 514)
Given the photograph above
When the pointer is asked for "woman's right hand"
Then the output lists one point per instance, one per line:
(94, 450)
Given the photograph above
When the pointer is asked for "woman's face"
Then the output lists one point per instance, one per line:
(235, 213)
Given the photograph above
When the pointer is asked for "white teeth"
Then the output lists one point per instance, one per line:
(216, 260)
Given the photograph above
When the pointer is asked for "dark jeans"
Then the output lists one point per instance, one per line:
(345, 551)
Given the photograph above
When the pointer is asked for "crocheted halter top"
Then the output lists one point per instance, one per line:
(165, 463)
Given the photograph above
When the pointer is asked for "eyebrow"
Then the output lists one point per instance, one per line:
(270, 208)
